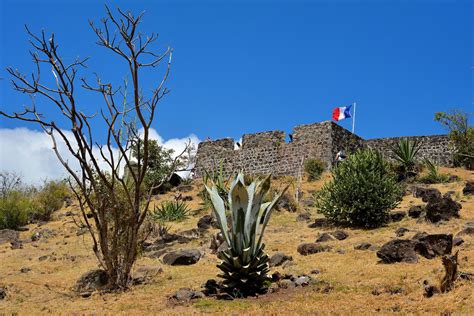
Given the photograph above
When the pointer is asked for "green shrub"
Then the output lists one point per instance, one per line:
(433, 175)
(170, 211)
(361, 193)
(49, 199)
(15, 208)
(314, 168)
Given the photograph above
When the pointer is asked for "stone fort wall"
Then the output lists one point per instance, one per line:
(268, 152)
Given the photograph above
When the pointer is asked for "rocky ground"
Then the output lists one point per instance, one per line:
(316, 268)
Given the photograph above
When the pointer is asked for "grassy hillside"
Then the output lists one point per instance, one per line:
(350, 281)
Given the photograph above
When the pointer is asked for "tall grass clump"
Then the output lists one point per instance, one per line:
(362, 192)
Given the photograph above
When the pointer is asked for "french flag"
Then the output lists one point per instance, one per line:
(341, 113)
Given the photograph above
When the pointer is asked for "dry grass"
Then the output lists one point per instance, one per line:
(353, 275)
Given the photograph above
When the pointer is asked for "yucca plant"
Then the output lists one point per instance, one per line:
(245, 265)
(405, 153)
(170, 211)
(433, 175)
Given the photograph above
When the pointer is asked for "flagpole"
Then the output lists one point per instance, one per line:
(353, 118)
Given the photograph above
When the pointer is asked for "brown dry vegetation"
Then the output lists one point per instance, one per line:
(353, 276)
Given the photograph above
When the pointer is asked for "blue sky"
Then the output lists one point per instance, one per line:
(243, 67)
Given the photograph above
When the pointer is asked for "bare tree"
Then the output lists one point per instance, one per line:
(118, 205)
(9, 181)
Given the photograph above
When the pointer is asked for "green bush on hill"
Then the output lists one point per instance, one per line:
(362, 192)
(314, 168)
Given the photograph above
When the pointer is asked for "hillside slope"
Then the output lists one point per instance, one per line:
(40, 276)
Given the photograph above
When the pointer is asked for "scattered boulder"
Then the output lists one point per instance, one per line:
(307, 202)
(469, 188)
(185, 295)
(401, 231)
(398, 250)
(94, 280)
(415, 211)
(187, 198)
(212, 287)
(279, 258)
(8, 235)
(287, 203)
(442, 209)
(427, 195)
(362, 246)
(3, 293)
(216, 241)
(25, 270)
(186, 235)
(182, 257)
(397, 216)
(303, 217)
(319, 222)
(467, 230)
(339, 234)
(457, 241)
(144, 275)
(42, 233)
(206, 222)
(430, 246)
(325, 237)
(312, 248)
(16, 244)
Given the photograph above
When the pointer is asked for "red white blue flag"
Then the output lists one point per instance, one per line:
(341, 113)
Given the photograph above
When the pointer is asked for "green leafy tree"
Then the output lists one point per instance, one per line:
(461, 134)
(362, 192)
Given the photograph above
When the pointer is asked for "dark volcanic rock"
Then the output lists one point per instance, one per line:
(467, 230)
(182, 257)
(186, 295)
(212, 287)
(458, 241)
(91, 281)
(3, 293)
(312, 248)
(398, 250)
(8, 235)
(442, 209)
(362, 246)
(430, 246)
(339, 234)
(279, 258)
(469, 188)
(206, 222)
(303, 217)
(397, 216)
(325, 237)
(415, 211)
(16, 244)
(319, 222)
(286, 203)
(427, 194)
(401, 231)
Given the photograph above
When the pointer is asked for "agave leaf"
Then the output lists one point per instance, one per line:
(268, 212)
(219, 211)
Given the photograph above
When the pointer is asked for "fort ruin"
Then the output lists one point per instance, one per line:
(269, 152)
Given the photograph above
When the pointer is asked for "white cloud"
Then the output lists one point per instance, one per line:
(29, 153)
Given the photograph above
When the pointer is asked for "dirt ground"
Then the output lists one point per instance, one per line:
(359, 284)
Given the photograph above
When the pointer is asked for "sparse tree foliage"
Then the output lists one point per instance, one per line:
(462, 135)
(118, 206)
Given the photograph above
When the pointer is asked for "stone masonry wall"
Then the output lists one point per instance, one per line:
(268, 152)
(437, 148)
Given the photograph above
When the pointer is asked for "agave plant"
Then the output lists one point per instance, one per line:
(245, 265)
(405, 153)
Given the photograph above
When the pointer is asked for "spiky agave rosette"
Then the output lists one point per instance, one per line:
(245, 265)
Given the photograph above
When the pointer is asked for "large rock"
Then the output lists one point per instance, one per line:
(427, 194)
(398, 250)
(430, 246)
(339, 234)
(442, 209)
(312, 248)
(325, 237)
(319, 222)
(279, 258)
(8, 235)
(185, 295)
(91, 281)
(206, 222)
(469, 188)
(397, 216)
(182, 257)
(415, 211)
